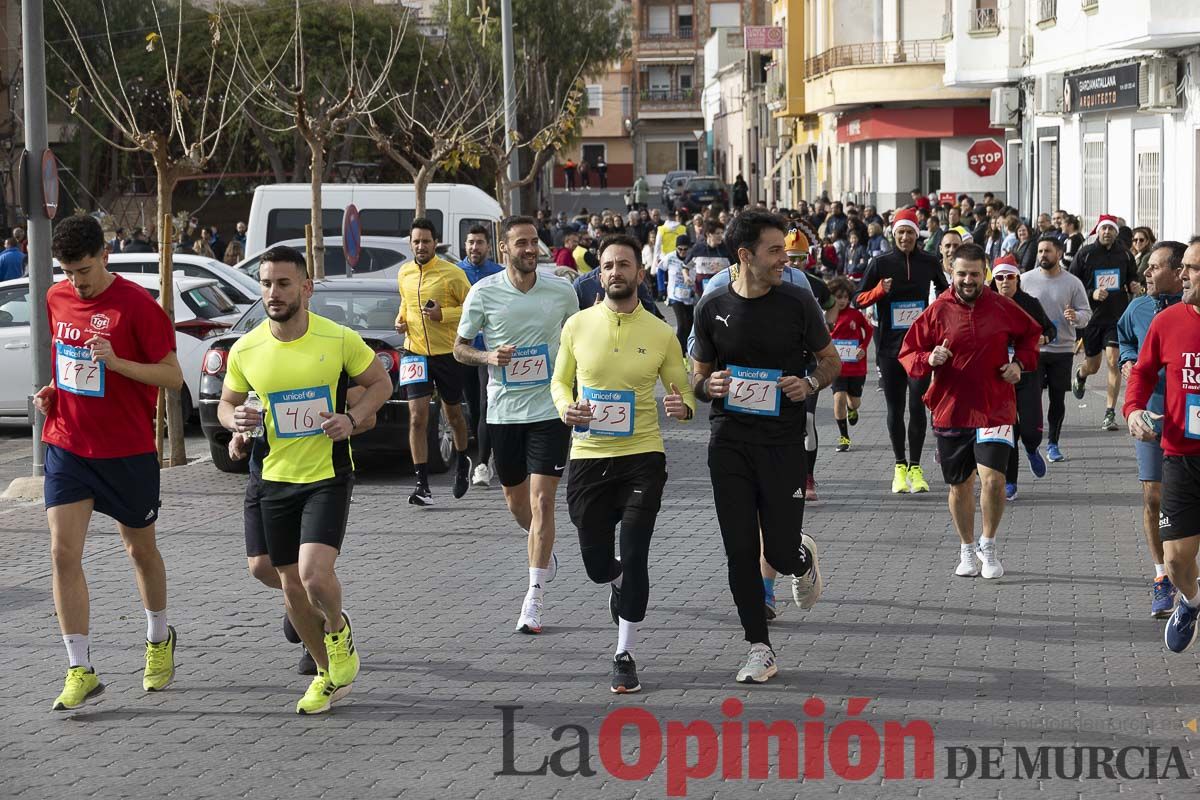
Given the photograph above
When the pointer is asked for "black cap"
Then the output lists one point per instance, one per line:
(683, 240)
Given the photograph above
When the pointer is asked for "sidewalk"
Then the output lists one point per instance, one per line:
(1060, 652)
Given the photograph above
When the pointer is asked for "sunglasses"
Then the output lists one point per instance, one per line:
(1006, 277)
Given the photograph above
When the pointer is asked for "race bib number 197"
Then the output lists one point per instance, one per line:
(753, 391)
(75, 372)
(297, 412)
(612, 411)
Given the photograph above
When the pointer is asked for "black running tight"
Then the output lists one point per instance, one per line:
(897, 388)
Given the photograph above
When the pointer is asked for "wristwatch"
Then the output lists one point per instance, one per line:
(813, 382)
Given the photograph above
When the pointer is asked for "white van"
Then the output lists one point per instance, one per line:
(281, 210)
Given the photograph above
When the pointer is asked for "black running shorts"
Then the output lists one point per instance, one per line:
(1179, 517)
(529, 448)
(446, 374)
(1097, 337)
(300, 513)
(961, 450)
(851, 386)
(252, 517)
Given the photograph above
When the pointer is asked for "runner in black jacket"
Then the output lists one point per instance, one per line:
(897, 284)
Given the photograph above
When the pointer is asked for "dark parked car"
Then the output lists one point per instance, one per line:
(672, 185)
(368, 306)
(701, 191)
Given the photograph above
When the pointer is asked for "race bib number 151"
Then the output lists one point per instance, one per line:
(753, 391)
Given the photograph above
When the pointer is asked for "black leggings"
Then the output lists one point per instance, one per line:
(475, 381)
(1029, 420)
(605, 492)
(810, 430)
(684, 316)
(1054, 373)
(758, 487)
(895, 384)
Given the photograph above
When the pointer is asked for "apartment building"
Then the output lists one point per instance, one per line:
(1098, 99)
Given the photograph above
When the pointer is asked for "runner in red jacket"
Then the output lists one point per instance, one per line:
(851, 334)
(963, 339)
(1172, 345)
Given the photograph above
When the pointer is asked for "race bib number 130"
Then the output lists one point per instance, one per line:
(75, 372)
(753, 391)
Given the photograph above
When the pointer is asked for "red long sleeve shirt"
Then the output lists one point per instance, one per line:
(1172, 343)
(967, 391)
(852, 326)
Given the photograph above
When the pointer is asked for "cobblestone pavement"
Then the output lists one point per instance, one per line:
(1061, 652)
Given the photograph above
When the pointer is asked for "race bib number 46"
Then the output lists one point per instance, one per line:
(905, 313)
(297, 412)
(1108, 279)
(1191, 428)
(530, 366)
(75, 372)
(612, 411)
(413, 369)
(847, 350)
(753, 391)
(1000, 434)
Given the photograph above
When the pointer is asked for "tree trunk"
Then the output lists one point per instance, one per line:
(166, 297)
(298, 164)
(316, 258)
(420, 186)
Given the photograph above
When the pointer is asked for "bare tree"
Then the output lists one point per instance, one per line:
(442, 122)
(175, 118)
(318, 107)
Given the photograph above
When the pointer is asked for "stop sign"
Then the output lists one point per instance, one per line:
(985, 157)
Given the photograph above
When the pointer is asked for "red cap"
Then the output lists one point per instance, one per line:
(1007, 258)
(906, 216)
(1106, 219)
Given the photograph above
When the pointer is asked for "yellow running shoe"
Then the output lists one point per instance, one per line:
(81, 683)
(321, 694)
(343, 658)
(900, 480)
(160, 663)
(917, 478)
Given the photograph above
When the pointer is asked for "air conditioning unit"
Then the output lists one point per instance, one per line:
(1048, 94)
(1004, 107)
(1157, 81)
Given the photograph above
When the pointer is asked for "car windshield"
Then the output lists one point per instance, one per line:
(359, 310)
(371, 259)
(208, 302)
(704, 185)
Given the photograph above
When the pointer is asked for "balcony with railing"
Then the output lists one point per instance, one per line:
(916, 51)
(679, 36)
(1047, 11)
(985, 20)
(669, 99)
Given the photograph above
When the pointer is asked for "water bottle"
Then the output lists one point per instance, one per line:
(581, 432)
(252, 401)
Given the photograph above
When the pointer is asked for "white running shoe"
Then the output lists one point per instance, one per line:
(760, 665)
(806, 590)
(968, 567)
(531, 614)
(992, 568)
(482, 476)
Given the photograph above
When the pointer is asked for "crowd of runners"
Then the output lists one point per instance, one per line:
(769, 311)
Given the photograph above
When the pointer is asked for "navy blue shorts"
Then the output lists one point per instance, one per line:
(125, 489)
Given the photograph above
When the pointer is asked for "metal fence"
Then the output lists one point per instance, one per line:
(915, 51)
(985, 19)
(1047, 10)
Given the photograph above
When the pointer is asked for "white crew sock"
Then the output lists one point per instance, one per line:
(537, 580)
(1192, 602)
(78, 649)
(156, 626)
(626, 635)
(1159, 570)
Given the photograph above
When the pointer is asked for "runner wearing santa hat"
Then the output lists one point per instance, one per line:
(1006, 279)
(897, 284)
(1108, 272)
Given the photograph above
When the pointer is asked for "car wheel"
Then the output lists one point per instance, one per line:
(439, 440)
(220, 457)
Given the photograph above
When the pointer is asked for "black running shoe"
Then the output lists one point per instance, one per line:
(624, 675)
(1078, 386)
(462, 477)
(289, 631)
(306, 666)
(421, 496)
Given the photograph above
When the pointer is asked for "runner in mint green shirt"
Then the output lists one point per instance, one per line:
(521, 312)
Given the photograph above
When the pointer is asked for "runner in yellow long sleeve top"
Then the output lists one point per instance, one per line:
(616, 351)
(432, 293)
